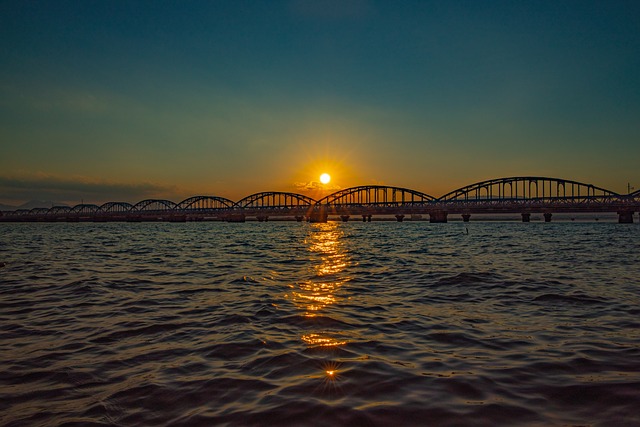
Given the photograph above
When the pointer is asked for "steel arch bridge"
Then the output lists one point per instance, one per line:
(368, 200)
(59, 210)
(528, 188)
(376, 196)
(275, 200)
(204, 204)
(116, 207)
(522, 194)
(39, 211)
(84, 209)
(152, 206)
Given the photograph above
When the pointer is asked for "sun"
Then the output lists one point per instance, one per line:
(325, 178)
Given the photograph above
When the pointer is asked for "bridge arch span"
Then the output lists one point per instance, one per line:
(275, 200)
(377, 196)
(154, 205)
(59, 210)
(84, 209)
(39, 211)
(205, 203)
(526, 188)
(116, 207)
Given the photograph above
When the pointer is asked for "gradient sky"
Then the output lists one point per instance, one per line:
(127, 100)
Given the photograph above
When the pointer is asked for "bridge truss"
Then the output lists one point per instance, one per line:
(502, 195)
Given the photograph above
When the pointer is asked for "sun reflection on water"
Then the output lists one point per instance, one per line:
(319, 340)
(319, 294)
(328, 259)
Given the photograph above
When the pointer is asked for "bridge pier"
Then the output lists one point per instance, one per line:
(344, 218)
(262, 218)
(465, 217)
(318, 217)
(526, 217)
(235, 218)
(625, 217)
(400, 218)
(366, 218)
(438, 217)
(547, 217)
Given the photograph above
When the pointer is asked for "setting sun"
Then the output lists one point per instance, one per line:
(325, 178)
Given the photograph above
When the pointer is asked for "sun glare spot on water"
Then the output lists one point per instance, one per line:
(325, 178)
(331, 372)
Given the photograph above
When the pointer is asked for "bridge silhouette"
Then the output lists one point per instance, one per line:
(513, 195)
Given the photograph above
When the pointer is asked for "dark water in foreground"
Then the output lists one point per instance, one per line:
(323, 324)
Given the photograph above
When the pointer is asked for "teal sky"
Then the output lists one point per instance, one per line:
(127, 100)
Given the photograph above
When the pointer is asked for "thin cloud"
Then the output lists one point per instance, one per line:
(74, 190)
(315, 186)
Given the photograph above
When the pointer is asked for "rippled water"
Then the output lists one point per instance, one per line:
(327, 324)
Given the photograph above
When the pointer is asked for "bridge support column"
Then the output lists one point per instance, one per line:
(438, 217)
(547, 217)
(235, 218)
(318, 217)
(299, 218)
(400, 218)
(625, 217)
(465, 217)
(366, 218)
(526, 217)
(344, 218)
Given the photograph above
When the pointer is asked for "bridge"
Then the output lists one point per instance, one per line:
(513, 195)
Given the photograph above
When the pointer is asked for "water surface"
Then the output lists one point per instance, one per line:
(314, 324)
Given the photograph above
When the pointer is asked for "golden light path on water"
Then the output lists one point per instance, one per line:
(328, 261)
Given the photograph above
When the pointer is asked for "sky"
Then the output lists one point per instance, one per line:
(129, 100)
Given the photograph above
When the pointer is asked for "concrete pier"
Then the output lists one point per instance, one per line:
(318, 217)
(235, 218)
(366, 218)
(400, 218)
(547, 217)
(345, 218)
(438, 217)
(465, 217)
(625, 217)
(526, 217)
